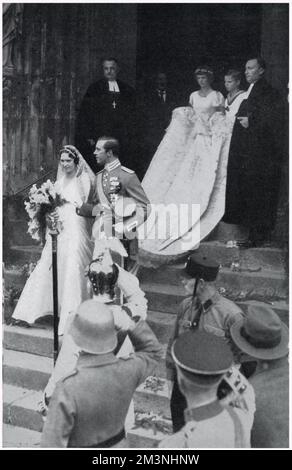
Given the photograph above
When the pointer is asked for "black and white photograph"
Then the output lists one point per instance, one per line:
(145, 226)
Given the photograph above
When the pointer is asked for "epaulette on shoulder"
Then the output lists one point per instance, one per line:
(127, 170)
(70, 374)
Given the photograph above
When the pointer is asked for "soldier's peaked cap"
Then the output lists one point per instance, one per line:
(202, 267)
(202, 353)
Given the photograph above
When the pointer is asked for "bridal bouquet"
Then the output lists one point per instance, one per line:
(42, 202)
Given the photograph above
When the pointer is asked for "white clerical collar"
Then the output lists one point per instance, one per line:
(249, 90)
(112, 165)
(113, 86)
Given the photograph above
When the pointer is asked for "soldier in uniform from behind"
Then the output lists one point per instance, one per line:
(104, 277)
(89, 406)
(116, 183)
(205, 309)
(210, 422)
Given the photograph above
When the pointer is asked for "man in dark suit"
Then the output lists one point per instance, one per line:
(261, 336)
(255, 156)
(108, 108)
(158, 105)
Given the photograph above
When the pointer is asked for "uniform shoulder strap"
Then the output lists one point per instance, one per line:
(127, 170)
(239, 441)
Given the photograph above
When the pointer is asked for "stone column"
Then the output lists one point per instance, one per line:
(275, 50)
(275, 44)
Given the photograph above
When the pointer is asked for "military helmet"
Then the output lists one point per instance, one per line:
(93, 328)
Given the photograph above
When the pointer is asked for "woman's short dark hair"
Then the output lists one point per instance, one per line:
(103, 283)
(235, 74)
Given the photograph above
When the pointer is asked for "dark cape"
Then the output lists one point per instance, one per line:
(254, 164)
(105, 113)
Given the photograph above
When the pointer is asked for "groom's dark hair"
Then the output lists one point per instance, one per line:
(111, 143)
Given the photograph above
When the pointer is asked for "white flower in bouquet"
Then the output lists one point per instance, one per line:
(42, 202)
(33, 229)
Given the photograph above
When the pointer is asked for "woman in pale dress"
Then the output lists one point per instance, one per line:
(75, 183)
(189, 168)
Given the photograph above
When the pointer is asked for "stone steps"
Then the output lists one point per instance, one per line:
(27, 362)
(141, 437)
(153, 398)
(19, 437)
(266, 280)
(267, 258)
(39, 341)
(20, 407)
(30, 340)
(26, 370)
(167, 299)
(27, 253)
(32, 370)
(22, 391)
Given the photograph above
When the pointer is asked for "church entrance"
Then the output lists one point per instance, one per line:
(177, 38)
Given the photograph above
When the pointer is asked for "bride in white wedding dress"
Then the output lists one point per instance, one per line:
(74, 182)
(189, 168)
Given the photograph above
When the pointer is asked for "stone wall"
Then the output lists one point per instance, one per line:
(48, 63)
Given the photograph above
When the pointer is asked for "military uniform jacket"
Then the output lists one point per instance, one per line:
(89, 406)
(130, 187)
(218, 314)
(213, 426)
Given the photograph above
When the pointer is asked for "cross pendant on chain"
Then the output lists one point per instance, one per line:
(114, 104)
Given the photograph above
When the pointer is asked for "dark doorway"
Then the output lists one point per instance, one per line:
(179, 37)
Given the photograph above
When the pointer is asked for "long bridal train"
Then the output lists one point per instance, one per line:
(188, 168)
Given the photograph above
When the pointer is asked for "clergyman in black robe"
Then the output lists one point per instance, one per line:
(107, 109)
(255, 156)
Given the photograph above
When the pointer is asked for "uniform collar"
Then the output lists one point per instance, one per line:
(95, 360)
(209, 302)
(112, 165)
(203, 412)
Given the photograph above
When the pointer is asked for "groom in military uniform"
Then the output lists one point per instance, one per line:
(118, 192)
